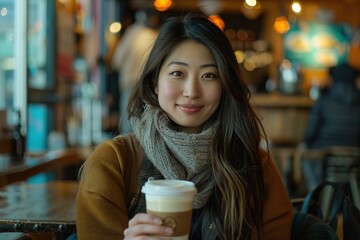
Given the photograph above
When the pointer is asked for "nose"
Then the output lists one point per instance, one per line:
(192, 88)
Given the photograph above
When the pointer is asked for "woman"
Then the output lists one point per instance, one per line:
(192, 120)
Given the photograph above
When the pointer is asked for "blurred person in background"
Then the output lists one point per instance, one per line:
(130, 55)
(334, 119)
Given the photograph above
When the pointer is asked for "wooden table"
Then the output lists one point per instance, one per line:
(18, 170)
(38, 208)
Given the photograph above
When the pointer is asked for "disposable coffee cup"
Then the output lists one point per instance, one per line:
(172, 201)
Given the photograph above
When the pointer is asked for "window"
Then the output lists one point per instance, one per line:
(26, 58)
(13, 59)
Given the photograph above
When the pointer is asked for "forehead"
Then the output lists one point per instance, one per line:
(191, 50)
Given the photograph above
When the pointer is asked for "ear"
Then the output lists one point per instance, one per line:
(156, 90)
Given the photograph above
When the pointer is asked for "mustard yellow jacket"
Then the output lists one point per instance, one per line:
(109, 183)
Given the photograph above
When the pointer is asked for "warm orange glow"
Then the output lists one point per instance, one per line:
(281, 25)
(162, 5)
(218, 21)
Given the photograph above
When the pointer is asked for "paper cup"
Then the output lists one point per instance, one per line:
(172, 201)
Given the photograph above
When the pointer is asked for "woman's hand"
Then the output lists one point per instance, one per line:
(145, 226)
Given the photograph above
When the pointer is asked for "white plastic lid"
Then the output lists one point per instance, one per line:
(169, 188)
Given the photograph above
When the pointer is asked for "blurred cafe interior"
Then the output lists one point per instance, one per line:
(58, 90)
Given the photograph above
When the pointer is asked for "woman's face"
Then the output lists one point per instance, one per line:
(189, 89)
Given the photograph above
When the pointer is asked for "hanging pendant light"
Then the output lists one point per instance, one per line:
(162, 5)
(296, 7)
(281, 23)
(251, 9)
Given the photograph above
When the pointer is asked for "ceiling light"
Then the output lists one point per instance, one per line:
(296, 7)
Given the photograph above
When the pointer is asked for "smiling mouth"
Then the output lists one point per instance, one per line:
(190, 108)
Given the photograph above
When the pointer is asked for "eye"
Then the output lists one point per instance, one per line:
(176, 74)
(210, 76)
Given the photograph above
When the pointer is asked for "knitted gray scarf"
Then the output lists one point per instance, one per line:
(177, 155)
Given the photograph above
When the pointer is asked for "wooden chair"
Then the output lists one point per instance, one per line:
(341, 165)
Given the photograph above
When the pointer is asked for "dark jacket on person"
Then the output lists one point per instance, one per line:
(334, 119)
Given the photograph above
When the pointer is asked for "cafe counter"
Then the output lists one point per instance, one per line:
(284, 117)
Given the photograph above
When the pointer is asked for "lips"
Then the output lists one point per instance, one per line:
(189, 108)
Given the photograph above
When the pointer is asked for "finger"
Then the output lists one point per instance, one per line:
(145, 218)
(148, 238)
(147, 229)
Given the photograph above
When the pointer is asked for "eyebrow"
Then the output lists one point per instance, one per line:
(185, 64)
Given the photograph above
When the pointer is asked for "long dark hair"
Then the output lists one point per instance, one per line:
(235, 154)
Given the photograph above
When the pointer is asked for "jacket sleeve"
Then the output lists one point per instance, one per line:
(101, 203)
(278, 210)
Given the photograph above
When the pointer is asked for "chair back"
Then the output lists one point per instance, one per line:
(342, 165)
(342, 159)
